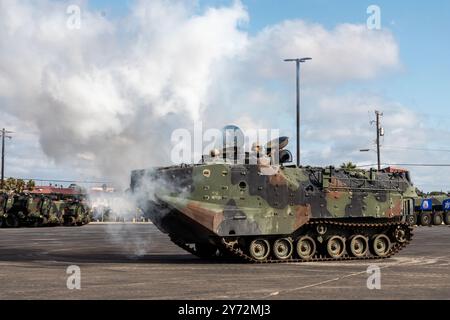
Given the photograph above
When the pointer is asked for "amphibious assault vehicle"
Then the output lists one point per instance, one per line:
(261, 211)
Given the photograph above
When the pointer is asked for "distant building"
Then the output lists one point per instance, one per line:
(51, 190)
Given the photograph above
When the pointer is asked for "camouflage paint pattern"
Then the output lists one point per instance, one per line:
(229, 199)
(40, 210)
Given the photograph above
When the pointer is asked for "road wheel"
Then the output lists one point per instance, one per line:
(12, 221)
(381, 245)
(336, 247)
(282, 249)
(425, 219)
(1, 222)
(359, 245)
(447, 218)
(438, 218)
(401, 235)
(412, 219)
(306, 248)
(259, 249)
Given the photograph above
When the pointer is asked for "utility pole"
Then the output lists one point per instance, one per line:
(4, 135)
(380, 133)
(298, 61)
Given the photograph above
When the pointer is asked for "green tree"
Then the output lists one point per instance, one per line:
(10, 184)
(20, 185)
(348, 166)
(30, 185)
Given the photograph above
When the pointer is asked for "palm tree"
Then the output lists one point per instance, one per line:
(20, 185)
(348, 166)
(10, 184)
(30, 185)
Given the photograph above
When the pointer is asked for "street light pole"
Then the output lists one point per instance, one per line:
(297, 62)
(3, 133)
(3, 158)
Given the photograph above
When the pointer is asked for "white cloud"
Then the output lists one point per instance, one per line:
(347, 52)
(114, 91)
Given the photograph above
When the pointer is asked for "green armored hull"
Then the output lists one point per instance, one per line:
(265, 213)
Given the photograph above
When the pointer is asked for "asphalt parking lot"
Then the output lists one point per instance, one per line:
(136, 261)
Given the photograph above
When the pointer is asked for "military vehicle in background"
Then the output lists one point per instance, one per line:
(75, 213)
(432, 209)
(249, 206)
(43, 206)
(28, 210)
(18, 213)
(3, 207)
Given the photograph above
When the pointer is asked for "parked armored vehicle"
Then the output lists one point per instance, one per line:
(25, 210)
(68, 204)
(17, 212)
(3, 207)
(75, 213)
(432, 209)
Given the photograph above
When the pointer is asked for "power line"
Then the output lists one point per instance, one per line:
(70, 181)
(407, 165)
(416, 149)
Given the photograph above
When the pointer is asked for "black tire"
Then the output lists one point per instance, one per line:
(1, 222)
(425, 219)
(447, 218)
(12, 221)
(401, 234)
(69, 221)
(438, 218)
(412, 219)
